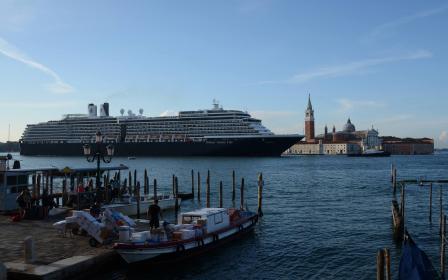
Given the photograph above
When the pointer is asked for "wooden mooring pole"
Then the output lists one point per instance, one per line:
(64, 192)
(440, 210)
(135, 178)
(430, 203)
(176, 203)
(138, 199)
(260, 194)
(394, 181)
(233, 185)
(442, 248)
(155, 190)
(242, 194)
(387, 260)
(192, 183)
(392, 173)
(38, 180)
(380, 265)
(199, 186)
(33, 193)
(220, 194)
(145, 183)
(207, 190)
(403, 208)
(173, 178)
(51, 184)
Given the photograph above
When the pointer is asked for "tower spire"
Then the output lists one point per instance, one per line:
(310, 107)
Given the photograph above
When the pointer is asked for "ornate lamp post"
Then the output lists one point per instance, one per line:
(99, 154)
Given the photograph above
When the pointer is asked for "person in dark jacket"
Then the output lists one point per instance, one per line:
(153, 214)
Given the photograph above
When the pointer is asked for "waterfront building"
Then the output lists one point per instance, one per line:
(347, 141)
(408, 146)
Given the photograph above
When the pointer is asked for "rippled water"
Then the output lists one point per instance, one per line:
(325, 217)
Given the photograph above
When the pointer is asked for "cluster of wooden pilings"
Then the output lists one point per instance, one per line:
(42, 189)
(398, 218)
(42, 183)
(135, 189)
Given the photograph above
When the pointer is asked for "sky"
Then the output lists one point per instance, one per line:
(381, 63)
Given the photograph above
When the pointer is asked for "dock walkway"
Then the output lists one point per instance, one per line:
(50, 247)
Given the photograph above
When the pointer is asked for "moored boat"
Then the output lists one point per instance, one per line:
(195, 232)
(371, 153)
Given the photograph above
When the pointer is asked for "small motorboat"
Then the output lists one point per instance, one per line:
(371, 153)
(196, 231)
(128, 204)
(132, 158)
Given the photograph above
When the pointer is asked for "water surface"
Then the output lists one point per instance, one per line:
(325, 217)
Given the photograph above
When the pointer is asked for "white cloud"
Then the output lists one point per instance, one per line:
(169, 113)
(382, 29)
(57, 86)
(346, 105)
(443, 137)
(349, 68)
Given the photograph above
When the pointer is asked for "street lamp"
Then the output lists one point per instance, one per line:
(98, 154)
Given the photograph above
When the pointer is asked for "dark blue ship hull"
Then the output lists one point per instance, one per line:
(246, 146)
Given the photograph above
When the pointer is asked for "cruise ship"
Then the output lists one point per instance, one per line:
(213, 132)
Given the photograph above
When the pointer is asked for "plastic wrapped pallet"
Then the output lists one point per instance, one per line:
(60, 226)
(187, 234)
(72, 219)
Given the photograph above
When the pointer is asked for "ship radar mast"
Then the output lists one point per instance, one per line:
(215, 104)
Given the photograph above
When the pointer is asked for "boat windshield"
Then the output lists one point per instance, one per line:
(190, 219)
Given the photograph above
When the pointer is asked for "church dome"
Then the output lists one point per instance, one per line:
(349, 127)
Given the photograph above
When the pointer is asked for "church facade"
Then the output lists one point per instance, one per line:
(344, 142)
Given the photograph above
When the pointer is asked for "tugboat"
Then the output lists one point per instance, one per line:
(195, 232)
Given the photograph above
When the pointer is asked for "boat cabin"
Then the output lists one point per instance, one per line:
(212, 219)
(15, 180)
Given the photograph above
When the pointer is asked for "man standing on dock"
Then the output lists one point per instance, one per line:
(153, 215)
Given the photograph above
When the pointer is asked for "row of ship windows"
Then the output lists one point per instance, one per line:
(105, 132)
(161, 123)
(115, 127)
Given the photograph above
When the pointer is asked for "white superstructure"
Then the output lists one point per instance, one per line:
(186, 126)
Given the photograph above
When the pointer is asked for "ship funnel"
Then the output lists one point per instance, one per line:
(92, 110)
(104, 110)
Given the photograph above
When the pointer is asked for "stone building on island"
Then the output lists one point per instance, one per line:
(346, 141)
(352, 141)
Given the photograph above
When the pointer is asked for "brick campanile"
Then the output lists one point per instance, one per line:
(309, 122)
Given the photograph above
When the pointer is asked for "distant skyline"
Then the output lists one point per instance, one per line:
(380, 63)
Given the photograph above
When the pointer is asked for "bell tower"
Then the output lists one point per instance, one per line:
(309, 122)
